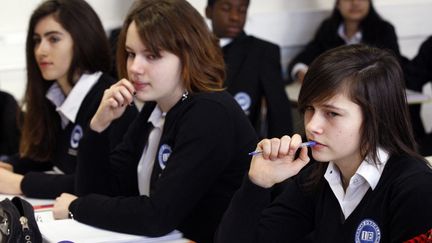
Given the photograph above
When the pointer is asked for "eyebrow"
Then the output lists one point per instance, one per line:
(329, 106)
(54, 32)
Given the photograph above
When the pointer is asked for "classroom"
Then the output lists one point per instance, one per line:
(290, 25)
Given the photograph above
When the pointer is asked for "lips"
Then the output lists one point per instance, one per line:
(140, 85)
(44, 64)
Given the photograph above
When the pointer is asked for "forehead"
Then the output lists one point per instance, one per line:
(48, 24)
(233, 2)
(340, 101)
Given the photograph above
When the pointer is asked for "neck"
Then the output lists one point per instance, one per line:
(351, 27)
(347, 169)
(64, 86)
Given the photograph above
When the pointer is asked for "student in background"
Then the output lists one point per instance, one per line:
(253, 68)
(67, 56)
(367, 184)
(419, 73)
(352, 22)
(184, 157)
(9, 131)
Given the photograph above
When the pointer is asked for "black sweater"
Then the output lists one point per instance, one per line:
(398, 209)
(254, 74)
(36, 183)
(207, 138)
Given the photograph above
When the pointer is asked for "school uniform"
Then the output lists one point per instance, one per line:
(328, 37)
(9, 131)
(254, 73)
(74, 114)
(201, 158)
(397, 209)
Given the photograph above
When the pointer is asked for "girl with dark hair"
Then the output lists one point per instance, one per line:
(367, 184)
(185, 155)
(67, 54)
(352, 22)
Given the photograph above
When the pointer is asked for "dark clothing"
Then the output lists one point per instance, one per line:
(326, 38)
(254, 74)
(419, 73)
(421, 67)
(204, 146)
(9, 131)
(36, 182)
(398, 209)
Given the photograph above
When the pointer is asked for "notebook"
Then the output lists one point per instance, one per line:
(69, 230)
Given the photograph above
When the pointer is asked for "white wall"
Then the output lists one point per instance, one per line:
(289, 23)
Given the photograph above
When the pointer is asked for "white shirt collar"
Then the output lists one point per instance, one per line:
(68, 106)
(224, 41)
(355, 39)
(367, 176)
(157, 117)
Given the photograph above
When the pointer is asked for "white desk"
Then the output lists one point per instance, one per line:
(429, 158)
(413, 97)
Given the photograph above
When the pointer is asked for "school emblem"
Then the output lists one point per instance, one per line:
(76, 136)
(367, 232)
(244, 100)
(163, 155)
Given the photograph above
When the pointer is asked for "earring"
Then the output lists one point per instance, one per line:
(185, 95)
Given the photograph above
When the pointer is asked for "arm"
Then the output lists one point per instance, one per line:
(250, 218)
(197, 161)
(279, 118)
(313, 49)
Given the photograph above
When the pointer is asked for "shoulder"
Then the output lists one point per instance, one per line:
(409, 174)
(220, 100)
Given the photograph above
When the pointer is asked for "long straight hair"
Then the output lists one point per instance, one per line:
(175, 26)
(41, 124)
(372, 78)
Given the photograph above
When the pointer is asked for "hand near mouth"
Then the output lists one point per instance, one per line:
(113, 104)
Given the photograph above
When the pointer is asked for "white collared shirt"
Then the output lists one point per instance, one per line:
(68, 106)
(146, 163)
(366, 176)
(224, 41)
(355, 39)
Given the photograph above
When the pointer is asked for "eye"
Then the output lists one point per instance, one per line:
(130, 55)
(151, 57)
(36, 40)
(54, 39)
(332, 114)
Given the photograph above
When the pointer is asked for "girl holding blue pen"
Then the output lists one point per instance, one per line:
(367, 185)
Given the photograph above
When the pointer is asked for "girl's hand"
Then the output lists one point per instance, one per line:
(61, 205)
(113, 104)
(10, 183)
(276, 162)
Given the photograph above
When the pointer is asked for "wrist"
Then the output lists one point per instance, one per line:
(260, 181)
(96, 126)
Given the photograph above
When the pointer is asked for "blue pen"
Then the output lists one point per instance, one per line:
(305, 144)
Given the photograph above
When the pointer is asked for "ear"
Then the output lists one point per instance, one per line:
(208, 12)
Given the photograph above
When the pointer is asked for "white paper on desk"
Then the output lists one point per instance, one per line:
(415, 97)
(68, 229)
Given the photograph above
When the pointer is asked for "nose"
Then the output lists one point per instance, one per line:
(314, 123)
(136, 65)
(234, 14)
(41, 48)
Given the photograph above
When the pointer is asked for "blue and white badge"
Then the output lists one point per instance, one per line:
(76, 136)
(163, 155)
(244, 100)
(367, 232)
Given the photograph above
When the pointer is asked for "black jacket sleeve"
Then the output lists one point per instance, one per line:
(202, 151)
(251, 217)
(279, 118)
(43, 185)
